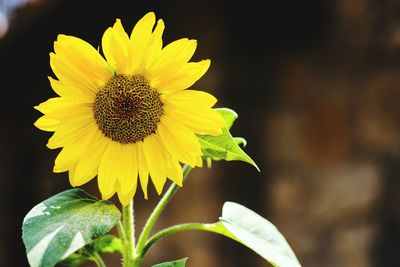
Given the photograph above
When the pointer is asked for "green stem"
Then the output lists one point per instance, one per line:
(121, 232)
(97, 259)
(128, 236)
(176, 229)
(155, 215)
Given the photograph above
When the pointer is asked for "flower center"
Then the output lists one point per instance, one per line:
(127, 109)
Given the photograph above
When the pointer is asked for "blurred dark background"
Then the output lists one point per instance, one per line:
(317, 88)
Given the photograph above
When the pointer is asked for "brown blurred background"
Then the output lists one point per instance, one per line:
(317, 88)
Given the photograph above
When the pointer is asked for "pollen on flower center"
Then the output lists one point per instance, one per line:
(127, 109)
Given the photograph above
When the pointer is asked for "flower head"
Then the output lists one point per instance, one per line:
(127, 116)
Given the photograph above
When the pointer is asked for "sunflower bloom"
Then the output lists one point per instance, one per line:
(127, 115)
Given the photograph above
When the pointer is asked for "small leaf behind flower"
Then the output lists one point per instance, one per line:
(240, 141)
(75, 260)
(258, 234)
(224, 146)
(229, 116)
(64, 223)
(177, 263)
(107, 244)
(104, 244)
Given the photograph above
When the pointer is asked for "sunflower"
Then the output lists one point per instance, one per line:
(127, 116)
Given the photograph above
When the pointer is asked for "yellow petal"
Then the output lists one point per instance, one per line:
(115, 44)
(180, 131)
(199, 162)
(176, 146)
(59, 109)
(66, 159)
(200, 120)
(69, 112)
(87, 166)
(71, 174)
(174, 171)
(106, 43)
(46, 124)
(78, 65)
(70, 154)
(83, 59)
(190, 98)
(71, 130)
(182, 78)
(155, 161)
(142, 168)
(171, 60)
(126, 198)
(174, 55)
(139, 41)
(71, 92)
(54, 104)
(71, 77)
(127, 169)
(107, 176)
(184, 139)
(154, 48)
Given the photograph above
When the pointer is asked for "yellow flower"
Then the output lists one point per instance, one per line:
(127, 116)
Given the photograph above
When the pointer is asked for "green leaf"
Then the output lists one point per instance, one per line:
(229, 116)
(240, 141)
(177, 263)
(107, 244)
(64, 223)
(104, 244)
(224, 146)
(258, 234)
(75, 260)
